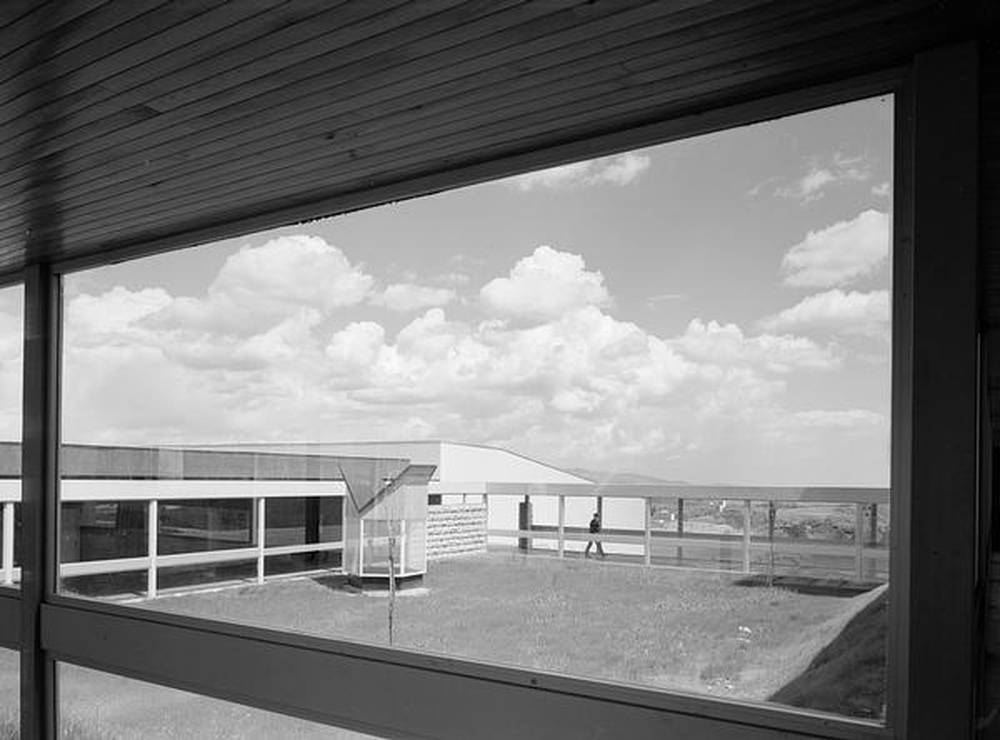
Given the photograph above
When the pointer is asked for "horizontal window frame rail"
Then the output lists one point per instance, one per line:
(291, 673)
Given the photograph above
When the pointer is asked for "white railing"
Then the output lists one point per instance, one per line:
(863, 548)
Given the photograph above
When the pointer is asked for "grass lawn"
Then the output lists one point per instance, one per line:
(663, 627)
(659, 627)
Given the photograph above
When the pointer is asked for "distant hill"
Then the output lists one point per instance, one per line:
(602, 476)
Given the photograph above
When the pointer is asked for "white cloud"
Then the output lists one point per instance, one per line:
(258, 286)
(545, 285)
(620, 169)
(834, 310)
(881, 190)
(839, 254)
(575, 384)
(725, 344)
(823, 173)
(116, 309)
(655, 300)
(452, 278)
(407, 297)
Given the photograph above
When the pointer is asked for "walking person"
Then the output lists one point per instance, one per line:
(595, 528)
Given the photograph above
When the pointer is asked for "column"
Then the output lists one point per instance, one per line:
(152, 545)
(680, 528)
(859, 541)
(562, 525)
(260, 503)
(7, 556)
(402, 547)
(747, 508)
(648, 532)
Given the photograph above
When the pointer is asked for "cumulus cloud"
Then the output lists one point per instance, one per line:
(836, 311)
(574, 383)
(408, 297)
(259, 285)
(114, 310)
(726, 344)
(544, 285)
(839, 254)
(620, 169)
(825, 172)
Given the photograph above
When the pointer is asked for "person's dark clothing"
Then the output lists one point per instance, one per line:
(595, 528)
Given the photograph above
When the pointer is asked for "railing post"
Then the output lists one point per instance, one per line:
(524, 523)
(746, 535)
(680, 528)
(873, 536)
(361, 547)
(648, 532)
(7, 556)
(562, 525)
(772, 514)
(402, 546)
(261, 507)
(859, 542)
(152, 545)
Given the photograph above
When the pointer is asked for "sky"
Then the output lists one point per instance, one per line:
(714, 310)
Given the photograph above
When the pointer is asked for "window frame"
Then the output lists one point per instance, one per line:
(449, 697)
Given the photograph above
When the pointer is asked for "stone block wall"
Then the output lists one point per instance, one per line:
(455, 529)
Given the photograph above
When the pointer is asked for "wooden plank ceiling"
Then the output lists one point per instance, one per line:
(130, 122)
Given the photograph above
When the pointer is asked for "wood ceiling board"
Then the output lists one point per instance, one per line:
(24, 39)
(45, 71)
(104, 99)
(481, 129)
(13, 11)
(74, 132)
(450, 154)
(116, 80)
(260, 154)
(104, 146)
(448, 158)
(363, 79)
(359, 68)
(241, 145)
(103, 140)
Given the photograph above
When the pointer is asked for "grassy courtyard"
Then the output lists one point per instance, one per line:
(663, 628)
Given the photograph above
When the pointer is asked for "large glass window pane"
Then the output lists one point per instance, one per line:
(93, 704)
(10, 693)
(11, 370)
(625, 419)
